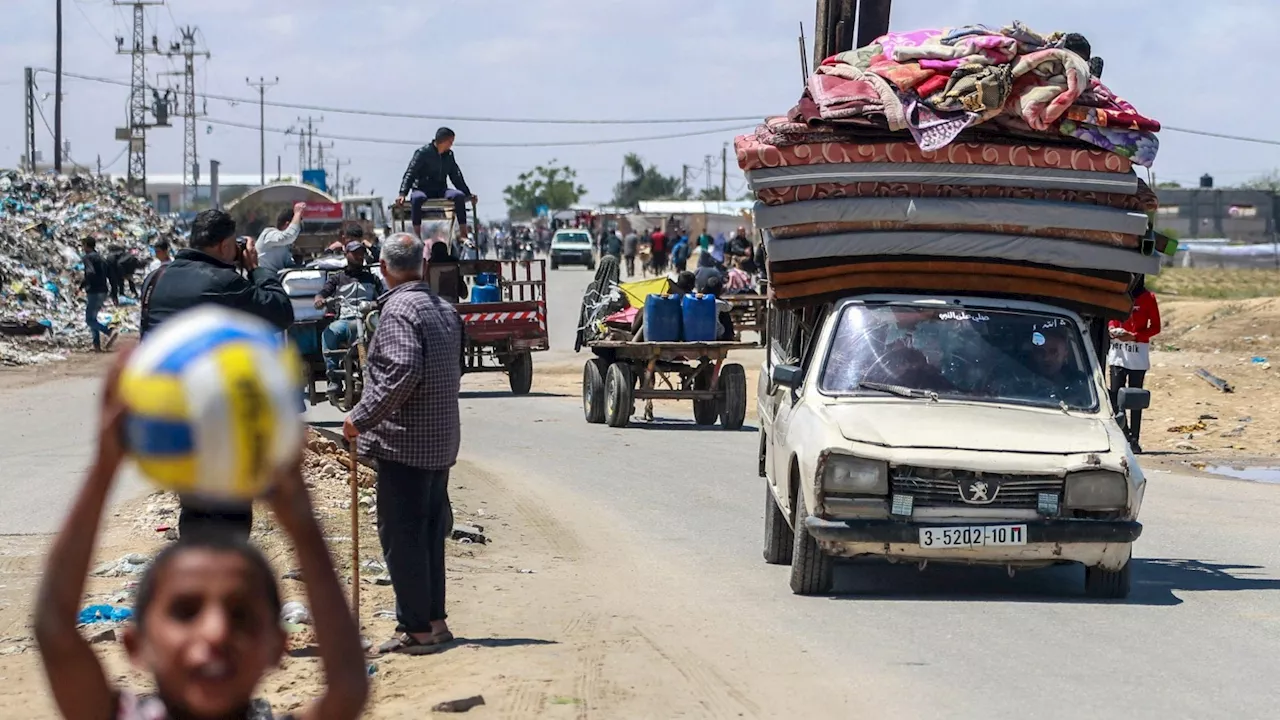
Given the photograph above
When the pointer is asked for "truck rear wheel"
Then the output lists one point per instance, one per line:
(520, 373)
(810, 567)
(733, 398)
(593, 390)
(778, 538)
(619, 395)
(1105, 584)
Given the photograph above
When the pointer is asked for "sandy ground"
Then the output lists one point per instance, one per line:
(563, 633)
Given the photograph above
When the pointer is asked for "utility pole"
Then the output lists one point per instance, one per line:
(262, 86)
(684, 181)
(724, 172)
(309, 135)
(337, 176)
(57, 95)
(707, 167)
(30, 139)
(186, 49)
(136, 133)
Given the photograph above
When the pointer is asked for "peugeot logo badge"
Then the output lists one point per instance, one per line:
(979, 490)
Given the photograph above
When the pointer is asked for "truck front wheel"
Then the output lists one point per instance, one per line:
(1105, 584)
(810, 567)
(778, 538)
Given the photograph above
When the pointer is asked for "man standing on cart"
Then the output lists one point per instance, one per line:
(426, 179)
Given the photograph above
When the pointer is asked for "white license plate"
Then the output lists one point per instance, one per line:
(973, 536)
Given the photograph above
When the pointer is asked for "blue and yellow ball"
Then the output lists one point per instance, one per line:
(212, 404)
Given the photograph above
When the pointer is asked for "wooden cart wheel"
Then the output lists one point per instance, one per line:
(619, 395)
(705, 412)
(733, 396)
(520, 373)
(593, 390)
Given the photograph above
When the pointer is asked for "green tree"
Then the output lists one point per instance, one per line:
(711, 194)
(646, 183)
(552, 185)
(1169, 185)
(1269, 181)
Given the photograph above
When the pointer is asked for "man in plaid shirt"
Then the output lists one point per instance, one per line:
(407, 420)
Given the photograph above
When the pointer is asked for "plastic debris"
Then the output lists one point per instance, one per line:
(104, 613)
(469, 534)
(459, 706)
(295, 613)
(43, 218)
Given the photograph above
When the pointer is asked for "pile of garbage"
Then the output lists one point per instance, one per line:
(43, 218)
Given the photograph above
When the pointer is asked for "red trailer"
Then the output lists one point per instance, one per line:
(502, 336)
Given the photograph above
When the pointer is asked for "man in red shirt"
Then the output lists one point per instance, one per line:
(658, 250)
(1130, 356)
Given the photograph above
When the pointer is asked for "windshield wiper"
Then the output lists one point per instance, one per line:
(899, 390)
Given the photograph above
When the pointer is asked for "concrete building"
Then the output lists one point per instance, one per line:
(1242, 216)
(165, 191)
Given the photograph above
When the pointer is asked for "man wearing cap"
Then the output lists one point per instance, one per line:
(351, 286)
(427, 176)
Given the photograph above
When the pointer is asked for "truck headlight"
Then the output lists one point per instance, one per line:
(848, 475)
(1097, 491)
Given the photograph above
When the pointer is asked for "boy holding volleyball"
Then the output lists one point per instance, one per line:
(206, 620)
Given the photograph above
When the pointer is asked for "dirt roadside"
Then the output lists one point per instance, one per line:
(549, 622)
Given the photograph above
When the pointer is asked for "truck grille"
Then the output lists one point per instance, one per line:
(930, 487)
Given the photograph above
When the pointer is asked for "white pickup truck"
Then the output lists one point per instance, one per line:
(944, 429)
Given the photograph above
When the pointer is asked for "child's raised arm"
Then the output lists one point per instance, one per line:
(79, 686)
(338, 634)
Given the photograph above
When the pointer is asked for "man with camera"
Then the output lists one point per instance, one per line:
(218, 269)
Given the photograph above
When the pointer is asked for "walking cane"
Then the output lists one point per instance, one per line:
(355, 530)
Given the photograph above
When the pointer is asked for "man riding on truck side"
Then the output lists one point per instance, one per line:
(426, 179)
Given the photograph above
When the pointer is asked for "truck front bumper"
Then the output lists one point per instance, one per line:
(1090, 542)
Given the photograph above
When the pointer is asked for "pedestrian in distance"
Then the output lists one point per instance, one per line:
(210, 273)
(408, 422)
(613, 246)
(427, 177)
(162, 254)
(96, 284)
(206, 616)
(630, 247)
(275, 244)
(1130, 355)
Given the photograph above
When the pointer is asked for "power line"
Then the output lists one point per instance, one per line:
(450, 118)
(1206, 133)
(563, 143)
(89, 22)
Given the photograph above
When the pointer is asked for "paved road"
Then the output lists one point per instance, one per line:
(1199, 637)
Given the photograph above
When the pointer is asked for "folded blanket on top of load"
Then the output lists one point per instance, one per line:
(940, 83)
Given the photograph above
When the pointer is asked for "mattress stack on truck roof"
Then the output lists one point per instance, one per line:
(960, 160)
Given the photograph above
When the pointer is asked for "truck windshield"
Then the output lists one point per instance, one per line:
(1000, 356)
(572, 238)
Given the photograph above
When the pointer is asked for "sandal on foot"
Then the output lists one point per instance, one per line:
(407, 644)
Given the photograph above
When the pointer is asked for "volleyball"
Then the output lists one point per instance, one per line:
(211, 402)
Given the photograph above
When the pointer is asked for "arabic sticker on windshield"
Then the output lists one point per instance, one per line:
(1037, 339)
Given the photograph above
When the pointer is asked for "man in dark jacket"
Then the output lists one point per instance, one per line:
(208, 273)
(426, 179)
(96, 285)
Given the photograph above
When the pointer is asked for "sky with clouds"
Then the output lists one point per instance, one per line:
(1188, 63)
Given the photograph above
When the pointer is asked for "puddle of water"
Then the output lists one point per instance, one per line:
(1256, 474)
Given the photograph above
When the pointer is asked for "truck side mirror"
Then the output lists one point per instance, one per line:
(1134, 399)
(788, 376)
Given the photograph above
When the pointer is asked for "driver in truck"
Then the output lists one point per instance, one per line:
(350, 286)
(426, 179)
